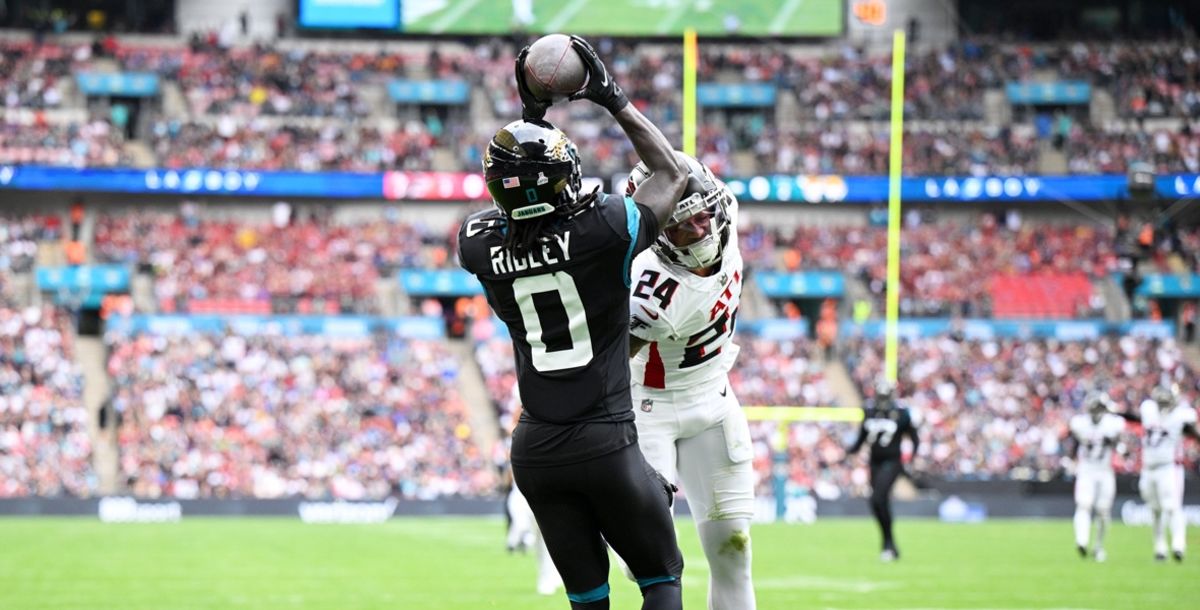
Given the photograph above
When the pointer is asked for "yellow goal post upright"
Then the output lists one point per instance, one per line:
(691, 56)
(785, 416)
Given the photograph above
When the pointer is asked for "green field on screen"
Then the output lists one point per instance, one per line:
(630, 17)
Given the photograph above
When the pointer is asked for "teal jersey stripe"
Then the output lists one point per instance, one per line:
(646, 582)
(633, 222)
(588, 597)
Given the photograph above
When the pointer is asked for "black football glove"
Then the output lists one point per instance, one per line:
(531, 107)
(668, 486)
(601, 89)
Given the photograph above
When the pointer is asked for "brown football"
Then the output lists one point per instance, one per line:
(553, 70)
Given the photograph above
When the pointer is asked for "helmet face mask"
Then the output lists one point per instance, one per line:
(697, 232)
(1165, 397)
(885, 391)
(696, 235)
(532, 169)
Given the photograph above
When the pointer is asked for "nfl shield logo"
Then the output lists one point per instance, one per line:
(647, 405)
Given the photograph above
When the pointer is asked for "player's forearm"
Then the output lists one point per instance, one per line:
(649, 142)
(1191, 431)
(1130, 417)
(858, 443)
(660, 192)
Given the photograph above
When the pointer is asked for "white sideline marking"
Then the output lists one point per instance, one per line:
(452, 15)
(673, 16)
(555, 24)
(785, 12)
(822, 583)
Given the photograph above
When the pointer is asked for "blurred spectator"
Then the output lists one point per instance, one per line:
(45, 449)
(92, 144)
(218, 416)
(948, 266)
(308, 263)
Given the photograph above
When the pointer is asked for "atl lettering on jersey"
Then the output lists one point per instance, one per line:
(691, 330)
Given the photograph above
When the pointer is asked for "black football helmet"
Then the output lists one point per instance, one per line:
(532, 169)
(885, 394)
(703, 193)
(1097, 404)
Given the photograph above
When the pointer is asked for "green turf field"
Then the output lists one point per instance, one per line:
(647, 17)
(459, 564)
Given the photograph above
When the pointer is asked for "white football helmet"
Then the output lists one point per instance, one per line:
(705, 197)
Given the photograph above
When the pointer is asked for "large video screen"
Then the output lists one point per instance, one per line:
(628, 17)
(801, 18)
(373, 14)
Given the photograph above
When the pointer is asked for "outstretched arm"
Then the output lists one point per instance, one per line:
(660, 192)
(858, 442)
(1070, 445)
(1133, 417)
(916, 439)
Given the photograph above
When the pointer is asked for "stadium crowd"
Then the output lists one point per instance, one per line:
(222, 415)
(999, 407)
(31, 76)
(840, 98)
(790, 372)
(948, 265)
(20, 235)
(254, 144)
(93, 143)
(45, 448)
(288, 264)
(495, 359)
(987, 409)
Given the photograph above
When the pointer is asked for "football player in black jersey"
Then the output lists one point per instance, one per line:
(884, 422)
(554, 264)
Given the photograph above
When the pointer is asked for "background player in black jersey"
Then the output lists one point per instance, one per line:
(884, 422)
(554, 264)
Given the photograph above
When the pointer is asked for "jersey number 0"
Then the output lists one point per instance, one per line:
(570, 344)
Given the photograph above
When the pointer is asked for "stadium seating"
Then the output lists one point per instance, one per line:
(89, 144)
(234, 425)
(999, 408)
(45, 448)
(790, 373)
(1040, 295)
(972, 269)
(495, 359)
(292, 416)
(304, 265)
(839, 99)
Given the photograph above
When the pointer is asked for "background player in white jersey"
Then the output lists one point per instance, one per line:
(1095, 434)
(690, 425)
(1164, 422)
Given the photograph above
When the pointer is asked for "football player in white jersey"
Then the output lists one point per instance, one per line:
(691, 428)
(1164, 423)
(1095, 433)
